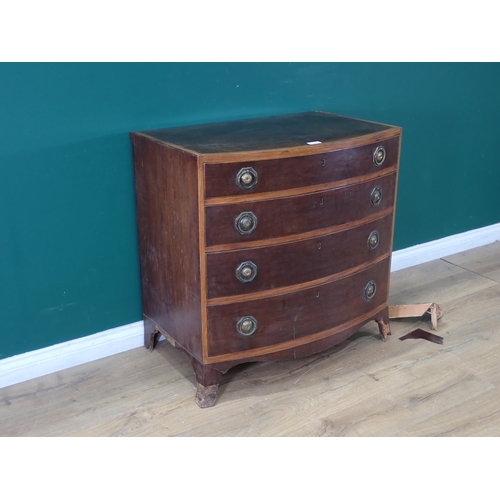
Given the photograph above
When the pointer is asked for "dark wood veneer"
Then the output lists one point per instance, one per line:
(167, 220)
(295, 315)
(278, 265)
(299, 171)
(314, 216)
(297, 214)
(269, 133)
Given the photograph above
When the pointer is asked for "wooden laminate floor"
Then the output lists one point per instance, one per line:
(362, 387)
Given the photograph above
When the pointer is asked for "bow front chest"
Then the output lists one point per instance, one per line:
(264, 239)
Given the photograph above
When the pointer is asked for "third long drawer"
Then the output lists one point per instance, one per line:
(253, 270)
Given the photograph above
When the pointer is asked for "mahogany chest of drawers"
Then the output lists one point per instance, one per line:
(264, 239)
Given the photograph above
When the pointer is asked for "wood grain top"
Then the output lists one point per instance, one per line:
(268, 133)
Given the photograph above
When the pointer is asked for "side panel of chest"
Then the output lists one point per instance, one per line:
(166, 182)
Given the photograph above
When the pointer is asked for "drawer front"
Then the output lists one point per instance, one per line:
(296, 315)
(298, 214)
(256, 269)
(229, 179)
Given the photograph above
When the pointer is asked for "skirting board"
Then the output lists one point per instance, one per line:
(444, 247)
(123, 338)
(72, 353)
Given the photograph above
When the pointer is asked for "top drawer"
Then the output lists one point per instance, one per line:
(230, 179)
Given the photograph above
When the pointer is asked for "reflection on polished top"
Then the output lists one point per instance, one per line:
(273, 132)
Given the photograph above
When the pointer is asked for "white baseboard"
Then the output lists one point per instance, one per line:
(437, 249)
(72, 353)
(92, 347)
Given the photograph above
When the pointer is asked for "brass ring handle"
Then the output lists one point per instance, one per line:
(373, 240)
(376, 196)
(246, 178)
(379, 156)
(247, 325)
(370, 290)
(246, 222)
(246, 271)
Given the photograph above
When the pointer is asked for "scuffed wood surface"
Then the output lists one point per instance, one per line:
(362, 387)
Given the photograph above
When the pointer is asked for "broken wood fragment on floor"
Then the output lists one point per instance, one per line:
(422, 334)
(415, 310)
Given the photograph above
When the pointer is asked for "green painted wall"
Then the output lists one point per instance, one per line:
(68, 255)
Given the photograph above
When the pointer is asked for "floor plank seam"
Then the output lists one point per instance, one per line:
(471, 271)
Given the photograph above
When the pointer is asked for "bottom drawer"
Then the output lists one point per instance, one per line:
(259, 323)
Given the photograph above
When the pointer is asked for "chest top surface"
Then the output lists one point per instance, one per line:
(260, 134)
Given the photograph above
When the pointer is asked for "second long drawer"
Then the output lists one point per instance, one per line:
(271, 218)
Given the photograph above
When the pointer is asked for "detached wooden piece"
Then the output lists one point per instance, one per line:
(422, 334)
(416, 310)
